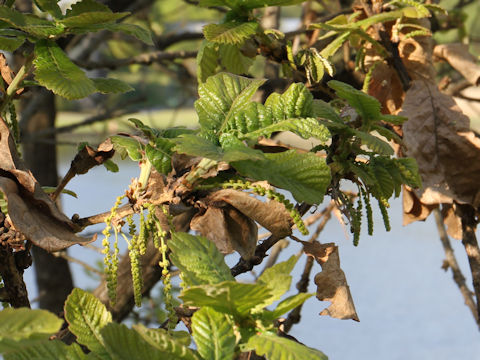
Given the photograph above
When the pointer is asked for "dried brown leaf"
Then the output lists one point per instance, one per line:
(228, 228)
(88, 157)
(437, 134)
(35, 223)
(460, 59)
(331, 282)
(452, 222)
(272, 215)
(31, 210)
(413, 208)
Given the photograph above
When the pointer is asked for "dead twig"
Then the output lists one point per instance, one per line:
(469, 241)
(453, 264)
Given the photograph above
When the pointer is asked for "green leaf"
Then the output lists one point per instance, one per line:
(393, 119)
(385, 183)
(171, 345)
(51, 190)
(207, 61)
(230, 32)
(48, 349)
(149, 132)
(50, 6)
(127, 146)
(213, 334)
(123, 343)
(136, 31)
(110, 85)
(295, 102)
(278, 279)
(160, 155)
(11, 39)
(198, 259)
(31, 24)
(110, 166)
(221, 97)
(387, 133)
(305, 175)
(197, 146)
(84, 6)
(288, 304)
(58, 73)
(279, 348)
(374, 143)
(330, 50)
(408, 167)
(323, 110)
(366, 106)
(253, 117)
(233, 60)
(236, 150)
(229, 297)
(90, 21)
(22, 323)
(306, 128)
(86, 316)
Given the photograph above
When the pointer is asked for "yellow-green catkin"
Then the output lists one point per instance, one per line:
(167, 285)
(271, 195)
(368, 210)
(136, 269)
(110, 259)
(142, 235)
(383, 204)
(357, 219)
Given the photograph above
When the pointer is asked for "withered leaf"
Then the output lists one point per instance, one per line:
(460, 59)
(88, 157)
(38, 225)
(437, 134)
(272, 215)
(228, 228)
(413, 208)
(31, 210)
(331, 282)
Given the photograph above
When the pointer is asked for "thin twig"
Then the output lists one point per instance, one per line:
(453, 264)
(81, 263)
(469, 241)
(121, 212)
(142, 59)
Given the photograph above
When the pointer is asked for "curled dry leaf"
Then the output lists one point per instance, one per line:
(229, 220)
(31, 210)
(228, 228)
(331, 282)
(272, 215)
(413, 208)
(460, 59)
(88, 157)
(452, 221)
(438, 136)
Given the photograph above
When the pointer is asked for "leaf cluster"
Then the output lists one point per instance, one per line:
(53, 68)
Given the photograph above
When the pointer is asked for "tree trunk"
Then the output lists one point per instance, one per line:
(53, 276)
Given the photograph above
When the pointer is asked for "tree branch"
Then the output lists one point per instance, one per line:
(452, 264)
(469, 241)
